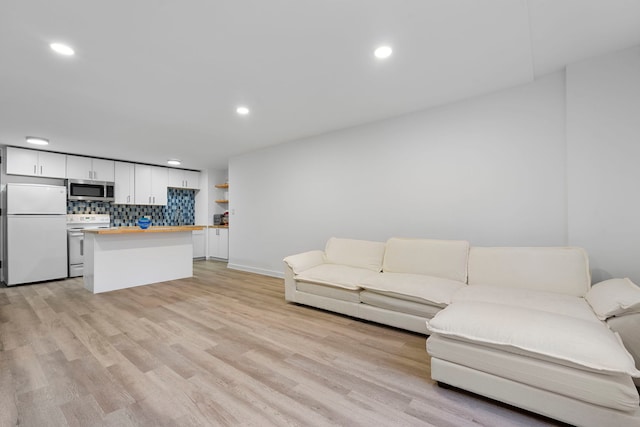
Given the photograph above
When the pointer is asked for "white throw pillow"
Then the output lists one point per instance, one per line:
(614, 297)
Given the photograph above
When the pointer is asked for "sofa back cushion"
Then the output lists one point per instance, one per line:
(439, 258)
(355, 253)
(563, 270)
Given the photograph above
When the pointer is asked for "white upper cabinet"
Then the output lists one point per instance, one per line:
(180, 178)
(35, 163)
(159, 184)
(87, 168)
(124, 183)
(103, 170)
(151, 184)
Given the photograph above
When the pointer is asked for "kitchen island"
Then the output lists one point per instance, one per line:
(124, 257)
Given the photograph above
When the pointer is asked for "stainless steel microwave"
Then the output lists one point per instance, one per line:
(90, 190)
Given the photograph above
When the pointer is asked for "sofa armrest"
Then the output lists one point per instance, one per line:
(304, 261)
(627, 327)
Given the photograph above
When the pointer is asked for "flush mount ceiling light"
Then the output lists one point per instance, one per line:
(35, 140)
(383, 52)
(62, 49)
(243, 111)
(173, 162)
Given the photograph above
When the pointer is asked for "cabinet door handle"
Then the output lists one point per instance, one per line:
(95, 175)
(128, 199)
(154, 199)
(40, 170)
(34, 169)
(82, 246)
(149, 199)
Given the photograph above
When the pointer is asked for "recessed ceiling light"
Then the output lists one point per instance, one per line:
(173, 162)
(37, 140)
(383, 52)
(243, 111)
(62, 49)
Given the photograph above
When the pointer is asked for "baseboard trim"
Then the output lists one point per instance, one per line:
(256, 270)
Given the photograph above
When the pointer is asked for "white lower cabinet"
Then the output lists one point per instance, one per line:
(199, 244)
(219, 243)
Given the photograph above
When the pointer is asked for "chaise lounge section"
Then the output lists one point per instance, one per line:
(523, 333)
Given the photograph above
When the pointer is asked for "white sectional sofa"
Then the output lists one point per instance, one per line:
(520, 325)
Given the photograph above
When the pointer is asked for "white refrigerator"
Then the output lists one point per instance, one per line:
(36, 233)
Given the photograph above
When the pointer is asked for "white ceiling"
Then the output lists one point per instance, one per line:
(160, 79)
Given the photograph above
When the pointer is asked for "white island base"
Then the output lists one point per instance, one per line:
(117, 259)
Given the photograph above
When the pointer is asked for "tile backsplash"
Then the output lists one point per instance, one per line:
(180, 210)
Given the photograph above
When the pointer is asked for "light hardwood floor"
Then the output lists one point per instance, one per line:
(221, 348)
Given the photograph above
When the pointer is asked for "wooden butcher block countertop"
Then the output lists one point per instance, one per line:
(152, 229)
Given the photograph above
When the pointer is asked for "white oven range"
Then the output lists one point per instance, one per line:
(75, 237)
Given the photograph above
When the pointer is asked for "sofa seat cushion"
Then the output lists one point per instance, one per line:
(413, 287)
(341, 276)
(588, 344)
(544, 301)
(389, 302)
(328, 291)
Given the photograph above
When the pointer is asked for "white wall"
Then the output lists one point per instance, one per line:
(490, 170)
(603, 140)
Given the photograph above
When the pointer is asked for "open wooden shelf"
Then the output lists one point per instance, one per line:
(222, 185)
(222, 201)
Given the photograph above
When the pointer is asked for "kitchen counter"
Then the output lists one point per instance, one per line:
(124, 257)
(152, 229)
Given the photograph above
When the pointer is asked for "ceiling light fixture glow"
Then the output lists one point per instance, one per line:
(35, 140)
(62, 49)
(383, 52)
(243, 111)
(173, 162)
